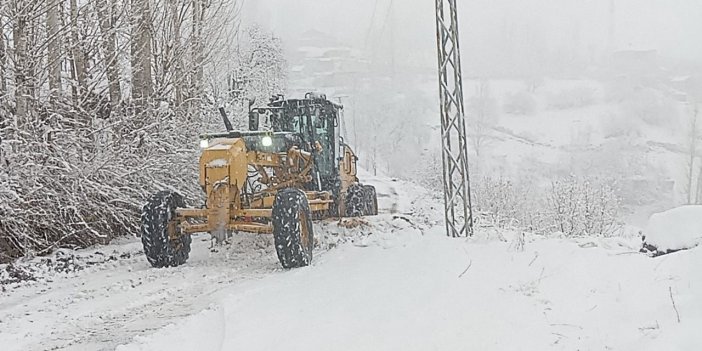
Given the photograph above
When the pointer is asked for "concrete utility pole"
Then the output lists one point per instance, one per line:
(457, 202)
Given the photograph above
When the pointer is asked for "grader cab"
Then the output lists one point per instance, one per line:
(274, 181)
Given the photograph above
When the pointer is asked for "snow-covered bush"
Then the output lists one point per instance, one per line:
(572, 98)
(571, 206)
(59, 188)
(511, 204)
(584, 207)
(497, 198)
(520, 103)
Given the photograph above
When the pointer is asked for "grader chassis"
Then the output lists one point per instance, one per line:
(268, 182)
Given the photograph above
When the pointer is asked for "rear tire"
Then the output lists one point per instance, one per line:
(160, 250)
(292, 228)
(355, 201)
(371, 200)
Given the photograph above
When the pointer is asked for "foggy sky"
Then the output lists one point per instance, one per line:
(407, 30)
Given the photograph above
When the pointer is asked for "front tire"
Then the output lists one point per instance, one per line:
(292, 228)
(156, 217)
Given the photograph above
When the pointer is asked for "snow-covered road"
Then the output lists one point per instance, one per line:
(108, 303)
(395, 282)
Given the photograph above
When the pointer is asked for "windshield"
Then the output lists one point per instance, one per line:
(312, 129)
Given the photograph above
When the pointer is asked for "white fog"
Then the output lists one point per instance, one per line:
(295, 175)
(563, 83)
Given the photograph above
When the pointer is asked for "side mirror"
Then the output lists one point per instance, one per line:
(253, 121)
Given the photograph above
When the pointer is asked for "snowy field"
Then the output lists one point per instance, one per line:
(387, 283)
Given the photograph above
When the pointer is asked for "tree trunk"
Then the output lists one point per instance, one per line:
(136, 70)
(147, 52)
(109, 43)
(176, 50)
(76, 52)
(696, 136)
(691, 191)
(3, 58)
(197, 54)
(34, 24)
(54, 48)
(141, 53)
(19, 37)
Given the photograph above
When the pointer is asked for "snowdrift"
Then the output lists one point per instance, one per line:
(674, 230)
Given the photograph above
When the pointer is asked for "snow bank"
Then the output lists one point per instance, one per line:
(676, 229)
(65, 262)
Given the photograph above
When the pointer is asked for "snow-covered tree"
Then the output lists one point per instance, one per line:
(391, 130)
(256, 70)
(694, 166)
(101, 103)
(481, 116)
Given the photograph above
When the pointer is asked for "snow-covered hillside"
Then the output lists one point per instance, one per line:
(635, 135)
(389, 282)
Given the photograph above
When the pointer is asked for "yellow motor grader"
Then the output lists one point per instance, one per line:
(269, 182)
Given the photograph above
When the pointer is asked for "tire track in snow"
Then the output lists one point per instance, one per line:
(105, 307)
(108, 304)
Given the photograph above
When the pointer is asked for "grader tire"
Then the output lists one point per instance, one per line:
(292, 228)
(160, 250)
(355, 201)
(371, 200)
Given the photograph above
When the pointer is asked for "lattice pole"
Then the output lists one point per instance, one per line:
(457, 202)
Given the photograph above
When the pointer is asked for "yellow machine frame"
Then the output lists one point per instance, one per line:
(224, 168)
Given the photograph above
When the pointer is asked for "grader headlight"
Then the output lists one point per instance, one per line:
(267, 141)
(204, 143)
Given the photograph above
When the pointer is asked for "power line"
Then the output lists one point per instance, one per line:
(372, 22)
(387, 17)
